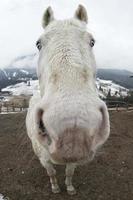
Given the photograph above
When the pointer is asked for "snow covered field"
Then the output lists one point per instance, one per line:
(23, 88)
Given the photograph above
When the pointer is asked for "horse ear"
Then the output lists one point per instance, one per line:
(81, 14)
(48, 16)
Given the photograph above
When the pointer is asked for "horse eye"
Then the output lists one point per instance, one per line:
(92, 42)
(39, 45)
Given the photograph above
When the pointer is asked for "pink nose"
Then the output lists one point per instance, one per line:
(72, 146)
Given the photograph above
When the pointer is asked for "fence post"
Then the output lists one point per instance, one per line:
(13, 108)
(117, 107)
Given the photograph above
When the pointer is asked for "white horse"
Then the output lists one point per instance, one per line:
(68, 122)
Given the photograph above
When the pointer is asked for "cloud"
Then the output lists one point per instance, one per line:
(110, 21)
(28, 61)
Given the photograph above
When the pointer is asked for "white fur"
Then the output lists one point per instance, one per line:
(66, 71)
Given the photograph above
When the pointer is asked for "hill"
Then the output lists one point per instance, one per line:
(11, 76)
(24, 67)
(121, 77)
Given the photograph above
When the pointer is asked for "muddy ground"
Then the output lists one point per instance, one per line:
(108, 177)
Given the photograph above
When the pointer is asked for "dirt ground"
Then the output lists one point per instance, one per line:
(108, 177)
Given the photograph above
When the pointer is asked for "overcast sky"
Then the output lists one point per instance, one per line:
(110, 21)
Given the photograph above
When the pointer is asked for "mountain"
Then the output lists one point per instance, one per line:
(20, 69)
(23, 68)
(121, 77)
(11, 76)
(3, 79)
(107, 87)
(3, 75)
(20, 73)
(104, 86)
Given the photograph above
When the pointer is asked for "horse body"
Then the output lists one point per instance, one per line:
(68, 121)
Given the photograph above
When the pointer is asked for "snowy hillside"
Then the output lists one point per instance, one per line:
(23, 88)
(23, 68)
(107, 86)
(104, 87)
(3, 75)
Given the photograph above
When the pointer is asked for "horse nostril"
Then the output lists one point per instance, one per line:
(41, 126)
(43, 132)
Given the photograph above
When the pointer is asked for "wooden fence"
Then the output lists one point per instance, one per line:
(15, 104)
(18, 104)
(118, 105)
(7, 109)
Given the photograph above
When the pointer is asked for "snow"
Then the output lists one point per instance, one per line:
(4, 99)
(14, 74)
(101, 95)
(106, 82)
(104, 86)
(24, 71)
(5, 73)
(23, 88)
